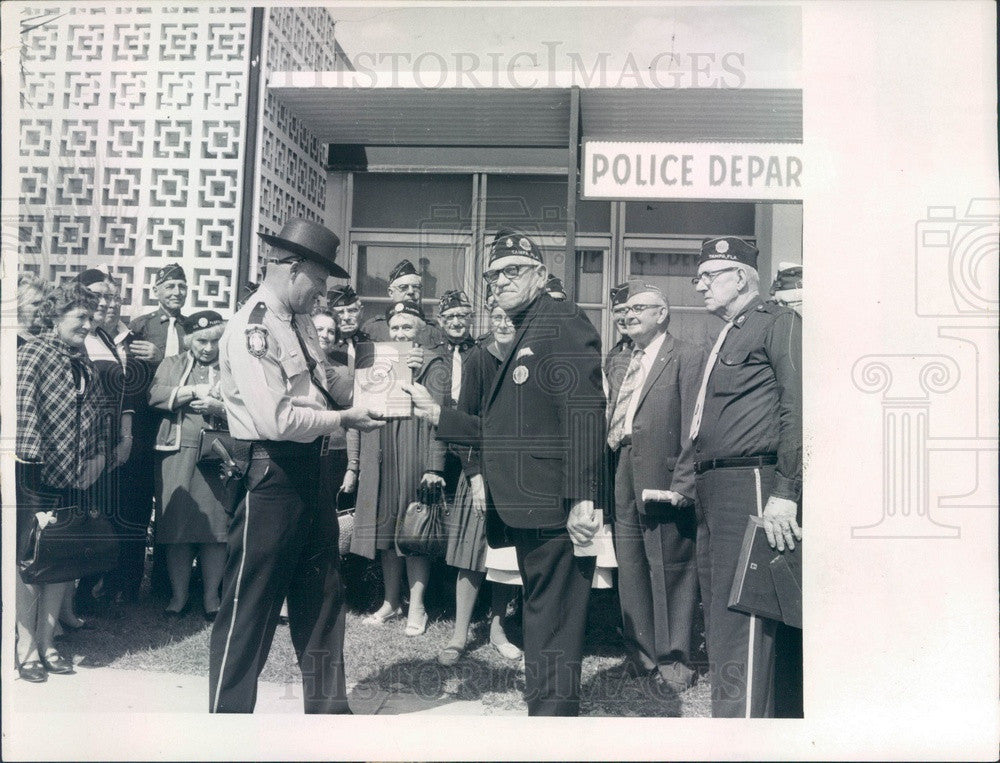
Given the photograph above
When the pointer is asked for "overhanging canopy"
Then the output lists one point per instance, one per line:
(407, 114)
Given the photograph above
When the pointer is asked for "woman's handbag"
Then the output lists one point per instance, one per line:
(75, 544)
(420, 529)
(345, 522)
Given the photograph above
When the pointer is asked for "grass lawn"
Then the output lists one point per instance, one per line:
(383, 660)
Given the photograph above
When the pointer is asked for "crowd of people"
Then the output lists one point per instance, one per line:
(557, 462)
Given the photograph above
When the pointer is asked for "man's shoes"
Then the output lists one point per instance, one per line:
(210, 616)
(56, 663)
(177, 613)
(79, 625)
(33, 672)
(675, 675)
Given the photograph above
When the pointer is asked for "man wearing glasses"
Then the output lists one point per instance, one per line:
(651, 401)
(542, 436)
(747, 437)
(405, 285)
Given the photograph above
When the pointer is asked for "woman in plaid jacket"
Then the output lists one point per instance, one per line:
(60, 449)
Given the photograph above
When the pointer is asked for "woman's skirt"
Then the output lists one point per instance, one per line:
(466, 531)
(191, 500)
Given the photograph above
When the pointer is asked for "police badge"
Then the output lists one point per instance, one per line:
(257, 341)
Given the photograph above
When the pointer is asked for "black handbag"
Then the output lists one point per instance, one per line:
(76, 544)
(420, 529)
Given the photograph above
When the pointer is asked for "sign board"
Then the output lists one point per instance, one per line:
(696, 171)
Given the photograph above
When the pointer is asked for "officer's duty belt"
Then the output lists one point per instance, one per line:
(700, 467)
(282, 448)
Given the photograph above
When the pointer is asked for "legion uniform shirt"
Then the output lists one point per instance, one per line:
(155, 327)
(753, 401)
(264, 378)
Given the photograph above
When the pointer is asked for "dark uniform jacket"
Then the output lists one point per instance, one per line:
(753, 402)
(542, 429)
(152, 327)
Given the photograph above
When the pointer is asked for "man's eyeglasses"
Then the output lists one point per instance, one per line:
(501, 320)
(709, 276)
(624, 310)
(456, 317)
(512, 272)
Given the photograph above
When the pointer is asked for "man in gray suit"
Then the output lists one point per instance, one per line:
(653, 388)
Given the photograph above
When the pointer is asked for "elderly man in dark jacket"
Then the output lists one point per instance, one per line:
(541, 435)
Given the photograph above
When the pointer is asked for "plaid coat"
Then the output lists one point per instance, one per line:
(58, 425)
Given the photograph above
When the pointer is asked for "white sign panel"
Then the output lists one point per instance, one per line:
(660, 171)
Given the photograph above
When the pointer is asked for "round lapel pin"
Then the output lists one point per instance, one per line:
(520, 375)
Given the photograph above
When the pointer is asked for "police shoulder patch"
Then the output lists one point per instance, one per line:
(257, 341)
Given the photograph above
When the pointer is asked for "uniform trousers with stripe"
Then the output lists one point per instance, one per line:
(556, 593)
(657, 574)
(741, 647)
(283, 542)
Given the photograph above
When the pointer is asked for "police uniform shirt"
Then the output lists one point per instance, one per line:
(265, 381)
(753, 401)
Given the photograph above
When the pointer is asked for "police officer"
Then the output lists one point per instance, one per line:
(283, 537)
(747, 436)
(405, 285)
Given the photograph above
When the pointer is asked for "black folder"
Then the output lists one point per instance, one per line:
(768, 583)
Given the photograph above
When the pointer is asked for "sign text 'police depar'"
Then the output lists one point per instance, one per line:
(748, 171)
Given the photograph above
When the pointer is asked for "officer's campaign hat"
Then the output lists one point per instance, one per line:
(204, 319)
(310, 240)
(452, 299)
(555, 288)
(513, 248)
(407, 308)
(171, 272)
(403, 268)
(729, 248)
(339, 296)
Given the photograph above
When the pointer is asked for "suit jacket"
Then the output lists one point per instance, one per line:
(542, 430)
(661, 452)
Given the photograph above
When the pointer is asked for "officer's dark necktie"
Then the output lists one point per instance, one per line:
(311, 362)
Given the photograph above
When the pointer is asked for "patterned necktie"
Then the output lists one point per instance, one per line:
(456, 373)
(173, 346)
(630, 385)
(699, 405)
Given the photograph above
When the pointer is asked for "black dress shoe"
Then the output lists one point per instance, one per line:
(85, 625)
(57, 664)
(210, 616)
(33, 672)
(177, 612)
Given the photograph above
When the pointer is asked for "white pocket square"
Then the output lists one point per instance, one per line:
(523, 352)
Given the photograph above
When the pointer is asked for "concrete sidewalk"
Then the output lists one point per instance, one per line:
(115, 690)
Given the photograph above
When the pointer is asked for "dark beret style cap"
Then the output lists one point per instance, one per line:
(789, 278)
(91, 276)
(171, 272)
(453, 298)
(407, 308)
(623, 292)
(730, 248)
(338, 296)
(203, 319)
(510, 243)
(403, 268)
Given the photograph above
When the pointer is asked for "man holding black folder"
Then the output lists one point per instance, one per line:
(747, 437)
